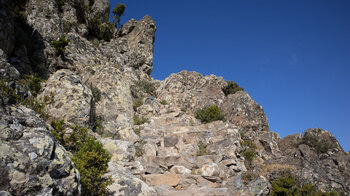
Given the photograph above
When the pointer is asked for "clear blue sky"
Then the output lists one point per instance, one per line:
(293, 57)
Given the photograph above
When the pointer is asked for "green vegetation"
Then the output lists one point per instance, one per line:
(98, 30)
(49, 99)
(202, 149)
(137, 103)
(209, 114)
(231, 88)
(118, 11)
(31, 83)
(97, 125)
(67, 26)
(137, 131)
(6, 90)
(139, 120)
(60, 45)
(92, 162)
(59, 129)
(142, 86)
(320, 145)
(60, 4)
(89, 157)
(37, 106)
(96, 93)
(288, 185)
(163, 102)
(248, 151)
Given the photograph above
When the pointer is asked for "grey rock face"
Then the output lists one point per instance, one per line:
(191, 91)
(243, 111)
(115, 106)
(326, 169)
(172, 153)
(7, 71)
(71, 99)
(7, 27)
(137, 38)
(101, 10)
(31, 161)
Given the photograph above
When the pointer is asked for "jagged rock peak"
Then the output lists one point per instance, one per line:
(192, 91)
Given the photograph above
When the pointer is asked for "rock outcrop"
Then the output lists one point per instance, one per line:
(243, 111)
(157, 145)
(32, 162)
(76, 107)
(191, 91)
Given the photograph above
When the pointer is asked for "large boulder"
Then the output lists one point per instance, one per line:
(31, 160)
(125, 183)
(115, 106)
(244, 112)
(69, 98)
(191, 91)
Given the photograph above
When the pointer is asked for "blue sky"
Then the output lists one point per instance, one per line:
(292, 57)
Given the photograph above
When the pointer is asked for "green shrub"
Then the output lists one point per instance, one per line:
(89, 157)
(209, 114)
(288, 185)
(6, 90)
(92, 162)
(163, 102)
(137, 131)
(137, 103)
(67, 26)
(98, 30)
(139, 120)
(202, 149)
(97, 125)
(49, 99)
(285, 185)
(37, 106)
(60, 4)
(34, 84)
(231, 88)
(59, 130)
(60, 45)
(249, 150)
(320, 145)
(142, 86)
(96, 93)
(117, 13)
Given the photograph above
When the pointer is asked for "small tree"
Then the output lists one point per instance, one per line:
(118, 11)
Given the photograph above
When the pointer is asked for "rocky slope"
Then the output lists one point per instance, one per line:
(157, 145)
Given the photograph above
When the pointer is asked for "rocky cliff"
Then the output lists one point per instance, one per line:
(61, 62)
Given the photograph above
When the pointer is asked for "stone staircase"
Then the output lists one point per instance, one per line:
(177, 155)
